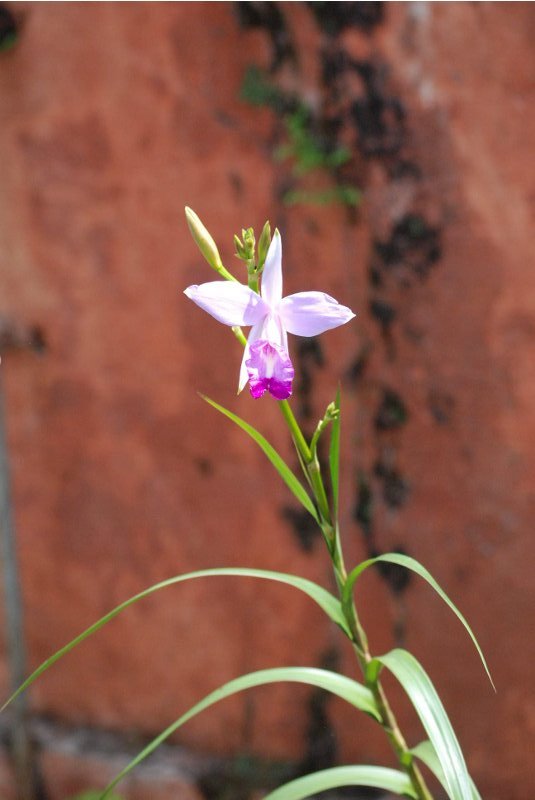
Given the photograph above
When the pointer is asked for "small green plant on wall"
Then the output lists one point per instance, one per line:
(309, 149)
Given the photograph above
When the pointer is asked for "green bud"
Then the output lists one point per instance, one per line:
(263, 245)
(332, 412)
(249, 244)
(238, 244)
(203, 240)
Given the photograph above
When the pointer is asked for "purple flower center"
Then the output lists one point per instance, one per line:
(270, 369)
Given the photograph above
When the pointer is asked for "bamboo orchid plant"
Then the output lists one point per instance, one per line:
(266, 366)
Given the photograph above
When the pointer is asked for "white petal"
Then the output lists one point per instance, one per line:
(312, 313)
(229, 302)
(272, 273)
(273, 331)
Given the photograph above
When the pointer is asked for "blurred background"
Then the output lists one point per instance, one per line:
(390, 143)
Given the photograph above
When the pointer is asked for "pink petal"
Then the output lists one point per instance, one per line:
(270, 369)
(272, 273)
(229, 302)
(312, 313)
(254, 334)
(269, 328)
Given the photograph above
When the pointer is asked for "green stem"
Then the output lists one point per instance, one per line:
(313, 472)
(252, 281)
(252, 276)
(311, 467)
(295, 430)
(238, 333)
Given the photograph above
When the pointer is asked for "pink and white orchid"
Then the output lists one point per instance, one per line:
(266, 363)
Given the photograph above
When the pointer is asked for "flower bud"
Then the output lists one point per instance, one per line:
(249, 244)
(238, 244)
(263, 245)
(203, 240)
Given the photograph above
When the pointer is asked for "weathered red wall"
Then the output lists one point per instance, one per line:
(112, 118)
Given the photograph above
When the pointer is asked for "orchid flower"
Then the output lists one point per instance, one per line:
(266, 363)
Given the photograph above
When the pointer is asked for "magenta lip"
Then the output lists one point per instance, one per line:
(270, 370)
(277, 389)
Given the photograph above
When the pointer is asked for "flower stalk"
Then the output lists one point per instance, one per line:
(266, 365)
(370, 668)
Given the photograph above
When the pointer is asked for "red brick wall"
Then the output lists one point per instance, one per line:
(112, 118)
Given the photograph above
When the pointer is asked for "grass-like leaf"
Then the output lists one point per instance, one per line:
(349, 690)
(93, 795)
(390, 780)
(427, 755)
(293, 484)
(321, 596)
(411, 563)
(433, 717)
(334, 454)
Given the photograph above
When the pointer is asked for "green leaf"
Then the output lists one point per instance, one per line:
(355, 694)
(93, 795)
(282, 468)
(334, 453)
(429, 708)
(257, 90)
(338, 157)
(427, 755)
(389, 780)
(411, 563)
(321, 596)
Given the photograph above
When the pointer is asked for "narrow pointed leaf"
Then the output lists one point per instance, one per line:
(427, 755)
(411, 563)
(334, 454)
(433, 717)
(293, 484)
(321, 596)
(390, 780)
(349, 690)
(94, 795)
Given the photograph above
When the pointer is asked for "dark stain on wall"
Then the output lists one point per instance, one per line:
(303, 526)
(378, 117)
(242, 778)
(356, 371)
(321, 742)
(335, 17)
(411, 250)
(15, 335)
(268, 17)
(441, 405)
(309, 358)
(9, 28)
(359, 107)
(394, 486)
(384, 314)
(363, 510)
(391, 412)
